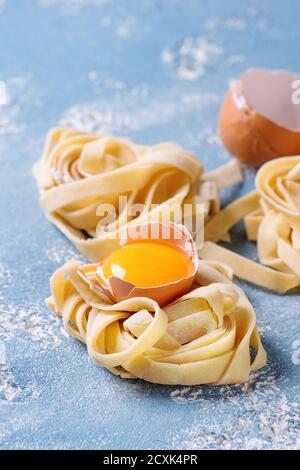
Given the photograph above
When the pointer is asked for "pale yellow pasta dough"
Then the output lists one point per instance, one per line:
(272, 218)
(79, 172)
(203, 337)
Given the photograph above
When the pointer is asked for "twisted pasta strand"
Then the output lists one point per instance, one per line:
(203, 337)
(272, 218)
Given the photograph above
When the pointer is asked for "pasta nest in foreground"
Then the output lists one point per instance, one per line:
(80, 172)
(204, 337)
(272, 219)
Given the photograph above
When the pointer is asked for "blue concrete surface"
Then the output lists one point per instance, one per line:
(118, 67)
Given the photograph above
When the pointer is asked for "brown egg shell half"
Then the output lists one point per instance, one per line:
(250, 136)
(118, 289)
(175, 235)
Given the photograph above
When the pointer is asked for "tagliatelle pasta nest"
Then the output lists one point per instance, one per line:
(80, 174)
(204, 337)
(272, 218)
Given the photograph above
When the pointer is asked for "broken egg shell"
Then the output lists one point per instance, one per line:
(117, 289)
(249, 135)
(121, 290)
(173, 235)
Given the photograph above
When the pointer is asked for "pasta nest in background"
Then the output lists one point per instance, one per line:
(79, 172)
(272, 219)
(204, 337)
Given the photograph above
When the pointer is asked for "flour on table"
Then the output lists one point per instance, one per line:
(62, 254)
(132, 111)
(262, 416)
(9, 390)
(191, 57)
(127, 27)
(74, 6)
(234, 23)
(5, 277)
(235, 59)
(187, 394)
(33, 322)
(17, 93)
(207, 135)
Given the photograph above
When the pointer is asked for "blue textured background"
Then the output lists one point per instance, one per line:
(116, 66)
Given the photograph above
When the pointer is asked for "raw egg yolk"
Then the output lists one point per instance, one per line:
(148, 264)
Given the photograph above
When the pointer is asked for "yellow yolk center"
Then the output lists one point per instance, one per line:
(148, 264)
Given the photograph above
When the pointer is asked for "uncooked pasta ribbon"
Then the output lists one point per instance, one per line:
(80, 174)
(272, 219)
(203, 337)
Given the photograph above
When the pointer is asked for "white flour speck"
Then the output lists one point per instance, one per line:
(8, 119)
(8, 389)
(235, 59)
(191, 57)
(62, 254)
(199, 99)
(33, 322)
(211, 136)
(105, 22)
(234, 23)
(92, 75)
(5, 277)
(186, 394)
(126, 27)
(2, 354)
(102, 81)
(16, 95)
(206, 135)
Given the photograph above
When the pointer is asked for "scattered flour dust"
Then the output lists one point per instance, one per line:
(131, 113)
(5, 276)
(74, 6)
(9, 389)
(191, 57)
(16, 93)
(99, 118)
(234, 23)
(125, 27)
(30, 321)
(207, 135)
(235, 59)
(60, 255)
(263, 417)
